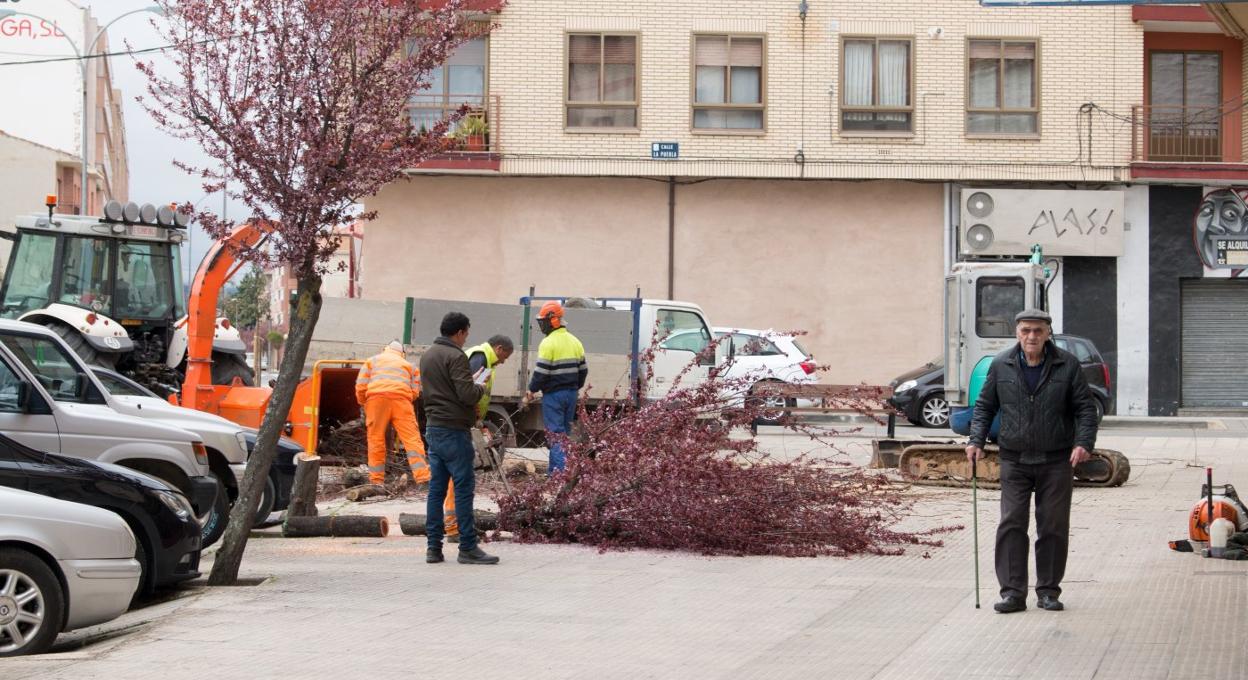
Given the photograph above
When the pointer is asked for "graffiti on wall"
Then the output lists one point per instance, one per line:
(1220, 229)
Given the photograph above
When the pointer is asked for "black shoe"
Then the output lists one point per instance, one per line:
(1051, 603)
(476, 556)
(434, 555)
(1011, 604)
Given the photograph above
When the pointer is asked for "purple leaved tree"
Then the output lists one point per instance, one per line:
(302, 103)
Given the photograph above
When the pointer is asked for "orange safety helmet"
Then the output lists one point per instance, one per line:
(553, 312)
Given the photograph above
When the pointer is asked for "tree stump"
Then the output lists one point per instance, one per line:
(412, 524)
(338, 526)
(303, 492)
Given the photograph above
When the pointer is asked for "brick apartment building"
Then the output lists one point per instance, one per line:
(807, 166)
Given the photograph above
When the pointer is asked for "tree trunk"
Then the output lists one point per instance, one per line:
(303, 493)
(342, 525)
(414, 525)
(303, 319)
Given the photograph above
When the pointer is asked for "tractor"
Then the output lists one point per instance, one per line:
(112, 287)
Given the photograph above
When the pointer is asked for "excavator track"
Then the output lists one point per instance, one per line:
(946, 465)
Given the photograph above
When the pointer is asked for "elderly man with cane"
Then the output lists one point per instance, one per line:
(1048, 425)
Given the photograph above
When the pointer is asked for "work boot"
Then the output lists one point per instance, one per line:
(1011, 604)
(1051, 603)
(433, 556)
(476, 556)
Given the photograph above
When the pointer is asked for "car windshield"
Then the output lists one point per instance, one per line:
(120, 386)
(59, 373)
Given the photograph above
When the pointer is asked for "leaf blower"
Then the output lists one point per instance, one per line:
(1217, 524)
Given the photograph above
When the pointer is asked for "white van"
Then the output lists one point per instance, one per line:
(49, 400)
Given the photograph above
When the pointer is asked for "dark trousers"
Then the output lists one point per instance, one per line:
(451, 456)
(1051, 483)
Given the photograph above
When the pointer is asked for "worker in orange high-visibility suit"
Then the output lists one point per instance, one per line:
(386, 387)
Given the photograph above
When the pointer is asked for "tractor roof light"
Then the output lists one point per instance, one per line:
(175, 237)
(130, 212)
(147, 213)
(164, 216)
(113, 211)
(182, 218)
(119, 228)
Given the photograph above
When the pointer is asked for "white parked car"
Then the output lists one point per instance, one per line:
(229, 444)
(766, 355)
(63, 566)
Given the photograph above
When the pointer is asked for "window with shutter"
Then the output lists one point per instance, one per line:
(602, 90)
(728, 82)
(1002, 88)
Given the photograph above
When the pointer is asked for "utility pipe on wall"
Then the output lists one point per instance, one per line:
(671, 238)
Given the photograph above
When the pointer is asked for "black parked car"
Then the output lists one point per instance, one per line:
(920, 393)
(167, 535)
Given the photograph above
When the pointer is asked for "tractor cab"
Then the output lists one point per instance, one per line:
(111, 285)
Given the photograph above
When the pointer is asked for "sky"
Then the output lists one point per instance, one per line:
(153, 178)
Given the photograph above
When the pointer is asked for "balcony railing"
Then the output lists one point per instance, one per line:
(476, 134)
(1179, 134)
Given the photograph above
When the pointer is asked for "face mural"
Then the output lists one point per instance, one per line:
(1221, 229)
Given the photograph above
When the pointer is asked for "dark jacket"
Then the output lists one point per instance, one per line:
(448, 394)
(1060, 415)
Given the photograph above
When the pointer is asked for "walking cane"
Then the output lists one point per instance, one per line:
(975, 521)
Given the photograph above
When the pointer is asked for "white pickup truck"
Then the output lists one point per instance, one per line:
(229, 444)
(49, 400)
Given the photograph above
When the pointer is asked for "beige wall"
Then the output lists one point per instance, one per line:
(856, 264)
(28, 173)
(1088, 54)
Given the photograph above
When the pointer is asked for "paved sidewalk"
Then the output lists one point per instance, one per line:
(333, 608)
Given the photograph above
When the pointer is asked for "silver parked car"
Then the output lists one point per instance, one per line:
(63, 566)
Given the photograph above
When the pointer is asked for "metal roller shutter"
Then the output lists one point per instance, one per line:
(1215, 343)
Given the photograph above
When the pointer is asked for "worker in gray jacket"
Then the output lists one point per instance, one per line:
(450, 403)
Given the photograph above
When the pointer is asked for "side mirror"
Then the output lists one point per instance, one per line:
(83, 386)
(732, 348)
(24, 391)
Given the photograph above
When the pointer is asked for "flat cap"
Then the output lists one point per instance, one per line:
(1033, 315)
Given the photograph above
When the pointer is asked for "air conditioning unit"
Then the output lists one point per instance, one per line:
(999, 222)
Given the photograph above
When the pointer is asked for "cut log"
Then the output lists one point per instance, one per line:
(519, 466)
(303, 492)
(359, 493)
(342, 525)
(412, 524)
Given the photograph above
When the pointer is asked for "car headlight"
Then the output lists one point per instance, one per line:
(907, 385)
(177, 503)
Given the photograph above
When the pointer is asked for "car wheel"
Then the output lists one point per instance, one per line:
(1100, 410)
(934, 411)
(267, 500)
(773, 408)
(32, 605)
(212, 523)
(147, 571)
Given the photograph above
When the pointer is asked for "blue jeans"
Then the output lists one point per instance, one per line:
(558, 414)
(450, 458)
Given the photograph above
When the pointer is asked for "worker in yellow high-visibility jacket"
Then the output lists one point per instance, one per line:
(386, 387)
